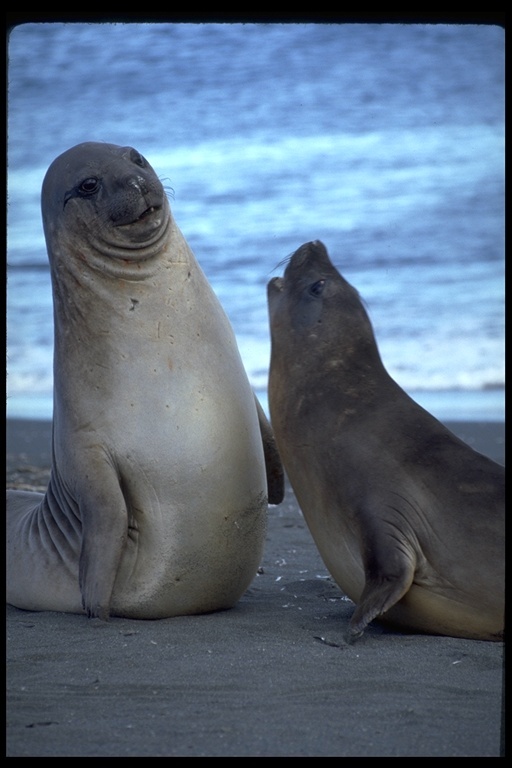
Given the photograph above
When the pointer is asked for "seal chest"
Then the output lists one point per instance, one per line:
(408, 519)
(158, 495)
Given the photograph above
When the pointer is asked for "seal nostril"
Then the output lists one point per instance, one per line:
(138, 183)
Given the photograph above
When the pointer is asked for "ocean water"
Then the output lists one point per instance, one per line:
(384, 141)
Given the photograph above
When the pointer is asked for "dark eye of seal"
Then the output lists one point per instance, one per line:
(86, 189)
(88, 186)
(317, 288)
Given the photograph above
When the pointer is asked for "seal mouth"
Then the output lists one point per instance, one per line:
(139, 240)
(146, 214)
(149, 211)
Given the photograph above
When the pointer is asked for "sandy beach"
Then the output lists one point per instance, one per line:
(271, 677)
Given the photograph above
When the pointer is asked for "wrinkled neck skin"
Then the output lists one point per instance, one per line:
(98, 275)
(84, 251)
(346, 377)
(118, 320)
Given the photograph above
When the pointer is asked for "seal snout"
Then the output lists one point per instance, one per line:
(314, 249)
(138, 199)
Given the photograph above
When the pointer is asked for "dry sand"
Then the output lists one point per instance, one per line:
(271, 677)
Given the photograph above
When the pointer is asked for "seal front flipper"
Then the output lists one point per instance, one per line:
(389, 566)
(105, 524)
(273, 465)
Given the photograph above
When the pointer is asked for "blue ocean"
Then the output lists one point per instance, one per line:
(385, 141)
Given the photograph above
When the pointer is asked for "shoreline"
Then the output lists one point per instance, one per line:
(28, 441)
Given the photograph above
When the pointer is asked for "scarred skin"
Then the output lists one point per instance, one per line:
(408, 518)
(158, 494)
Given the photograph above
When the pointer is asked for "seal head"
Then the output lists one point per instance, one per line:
(110, 200)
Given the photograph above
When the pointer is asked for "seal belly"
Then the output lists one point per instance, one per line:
(197, 513)
(191, 570)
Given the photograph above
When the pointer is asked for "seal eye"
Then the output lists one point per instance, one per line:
(317, 288)
(88, 186)
(137, 158)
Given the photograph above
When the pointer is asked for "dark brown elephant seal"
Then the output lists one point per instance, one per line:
(408, 519)
(157, 500)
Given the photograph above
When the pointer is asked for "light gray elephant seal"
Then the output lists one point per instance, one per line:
(157, 500)
(408, 519)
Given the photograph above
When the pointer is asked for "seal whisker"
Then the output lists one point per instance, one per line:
(280, 264)
(169, 191)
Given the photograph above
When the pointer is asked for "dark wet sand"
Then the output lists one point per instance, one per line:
(271, 677)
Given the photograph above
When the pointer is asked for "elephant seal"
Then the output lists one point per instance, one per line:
(157, 500)
(408, 519)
